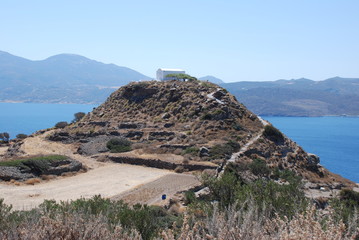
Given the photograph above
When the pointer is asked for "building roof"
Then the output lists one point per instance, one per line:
(171, 69)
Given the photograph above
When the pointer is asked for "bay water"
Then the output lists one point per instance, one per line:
(27, 118)
(334, 139)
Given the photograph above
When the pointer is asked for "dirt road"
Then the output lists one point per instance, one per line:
(142, 184)
(108, 180)
(151, 193)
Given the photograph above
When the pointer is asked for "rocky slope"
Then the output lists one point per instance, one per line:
(192, 125)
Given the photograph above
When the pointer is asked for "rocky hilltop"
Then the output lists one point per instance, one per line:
(190, 126)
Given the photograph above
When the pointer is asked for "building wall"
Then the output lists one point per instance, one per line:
(162, 73)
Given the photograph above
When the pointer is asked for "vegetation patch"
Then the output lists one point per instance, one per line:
(259, 167)
(118, 145)
(224, 151)
(191, 150)
(38, 165)
(273, 134)
(61, 124)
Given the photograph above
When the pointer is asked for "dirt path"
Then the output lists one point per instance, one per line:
(109, 180)
(236, 155)
(151, 193)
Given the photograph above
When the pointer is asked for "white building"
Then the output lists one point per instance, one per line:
(163, 72)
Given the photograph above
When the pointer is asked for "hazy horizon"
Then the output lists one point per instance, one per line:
(232, 40)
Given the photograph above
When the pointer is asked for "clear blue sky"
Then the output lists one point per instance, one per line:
(231, 39)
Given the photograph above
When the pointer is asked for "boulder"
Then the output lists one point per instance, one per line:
(203, 152)
(8, 173)
(161, 136)
(127, 126)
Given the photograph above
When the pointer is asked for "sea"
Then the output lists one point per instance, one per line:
(27, 118)
(334, 139)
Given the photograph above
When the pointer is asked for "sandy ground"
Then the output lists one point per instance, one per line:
(107, 180)
(110, 180)
(3, 150)
(152, 192)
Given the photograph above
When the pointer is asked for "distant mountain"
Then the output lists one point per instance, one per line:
(64, 78)
(211, 79)
(299, 97)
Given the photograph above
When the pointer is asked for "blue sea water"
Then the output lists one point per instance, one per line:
(27, 118)
(334, 139)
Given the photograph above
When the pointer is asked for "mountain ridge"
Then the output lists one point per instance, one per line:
(72, 78)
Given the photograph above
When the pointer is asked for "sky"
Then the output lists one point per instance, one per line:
(234, 40)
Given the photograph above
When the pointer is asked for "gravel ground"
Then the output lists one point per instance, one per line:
(152, 192)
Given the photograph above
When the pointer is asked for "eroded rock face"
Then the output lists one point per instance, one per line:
(8, 173)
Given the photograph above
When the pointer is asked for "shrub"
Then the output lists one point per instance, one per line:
(191, 150)
(21, 136)
(38, 165)
(346, 206)
(5, 136)
(285, 200)
(273, 133)
(259, 167)
(117, 145)
(223, 151)
(78, 116)
(61, 124)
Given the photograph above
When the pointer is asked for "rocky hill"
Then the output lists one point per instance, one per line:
(189, 126)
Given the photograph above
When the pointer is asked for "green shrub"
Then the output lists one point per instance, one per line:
(21, 136)
(191, 150)
(78, 116)
(285, 200)
(117, 145)
(5, 136)
(259, 167)
(346, 206)
(273, 133)
(223, 151)
(38, 165)
(61, 124)
(206, 116)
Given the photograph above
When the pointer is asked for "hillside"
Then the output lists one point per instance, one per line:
(64, 78)
(189, 124)
(192, 152)
(300, 97)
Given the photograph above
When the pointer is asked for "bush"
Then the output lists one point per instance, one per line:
(273, 134)
(191, 150)
(61, 124)
(109, 215)
(38, 165)
(117, 145)
(346, 206)
(259, 167)
(21, 136)
(285, 200)
(5, 136)
(224, 151)
(78, 116)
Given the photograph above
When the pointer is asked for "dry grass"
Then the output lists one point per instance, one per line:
(32, 181)
(72, 227)
(247, 225)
